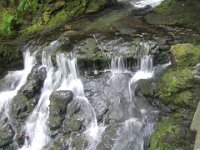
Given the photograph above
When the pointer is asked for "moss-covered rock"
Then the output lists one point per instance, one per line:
(178, 80)
(174, 86)
(59, 101)
(185, 55)
(172, 134)
(178, 88)
(36, 17)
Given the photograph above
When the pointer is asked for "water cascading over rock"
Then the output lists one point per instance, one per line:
(60, 108)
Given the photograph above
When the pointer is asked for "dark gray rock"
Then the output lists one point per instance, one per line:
(59, 101)
(24, 102)
(6, 136)
(80, 114)
(145, 87)
(108, 138)
(34, 82)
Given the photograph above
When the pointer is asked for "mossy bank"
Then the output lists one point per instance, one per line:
(178, 88)
(183, 13)
(28, 17)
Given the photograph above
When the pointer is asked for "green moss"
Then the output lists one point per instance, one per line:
(176, 83)
(171, 135)
(178, 88)
(74, 125)
(164, 5)
(186, 55)
(35, 16)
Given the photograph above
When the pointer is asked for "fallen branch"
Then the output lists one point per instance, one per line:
(99, 45)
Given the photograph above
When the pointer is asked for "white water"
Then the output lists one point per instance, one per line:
(144, 3)
(74, 83)
(146, 71)
(65, 78)
(19, 79)
(117, 65)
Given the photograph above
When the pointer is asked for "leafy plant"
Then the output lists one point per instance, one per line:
(6, 24)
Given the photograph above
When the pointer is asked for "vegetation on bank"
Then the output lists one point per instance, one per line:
(178, 88)
(175, 12)
(34, 16)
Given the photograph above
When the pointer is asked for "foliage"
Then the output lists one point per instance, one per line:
(6, 23)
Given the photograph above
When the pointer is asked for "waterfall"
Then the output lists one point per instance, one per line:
(18, 80)
(65, 77)
(146, 71)
(117, 65)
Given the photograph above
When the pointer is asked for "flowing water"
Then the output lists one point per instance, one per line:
(18, 79)
(63, 74)
(114, 116)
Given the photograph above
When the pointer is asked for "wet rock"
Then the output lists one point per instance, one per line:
(145, 87)
(34, 82)
(109, 137)
(20, 108)
(80, 114)
(72, 141)
(101, 107)
(26, 99)
(6, 136)
(73, 120)
(59, 101)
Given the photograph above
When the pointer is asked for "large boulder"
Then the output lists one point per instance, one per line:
(59, 101)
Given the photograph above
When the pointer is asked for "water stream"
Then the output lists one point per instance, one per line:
(113, 116)
(18, 79)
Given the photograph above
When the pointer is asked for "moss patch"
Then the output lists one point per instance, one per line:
(176, 85)
(186, 55)
(172, 134)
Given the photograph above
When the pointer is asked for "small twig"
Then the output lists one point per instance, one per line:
(99, 45)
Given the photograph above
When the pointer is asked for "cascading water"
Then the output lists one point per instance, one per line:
(146, 71)
(117, 65)
(65, 78)
(137, 125)
(18, 80)
(74, 83)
